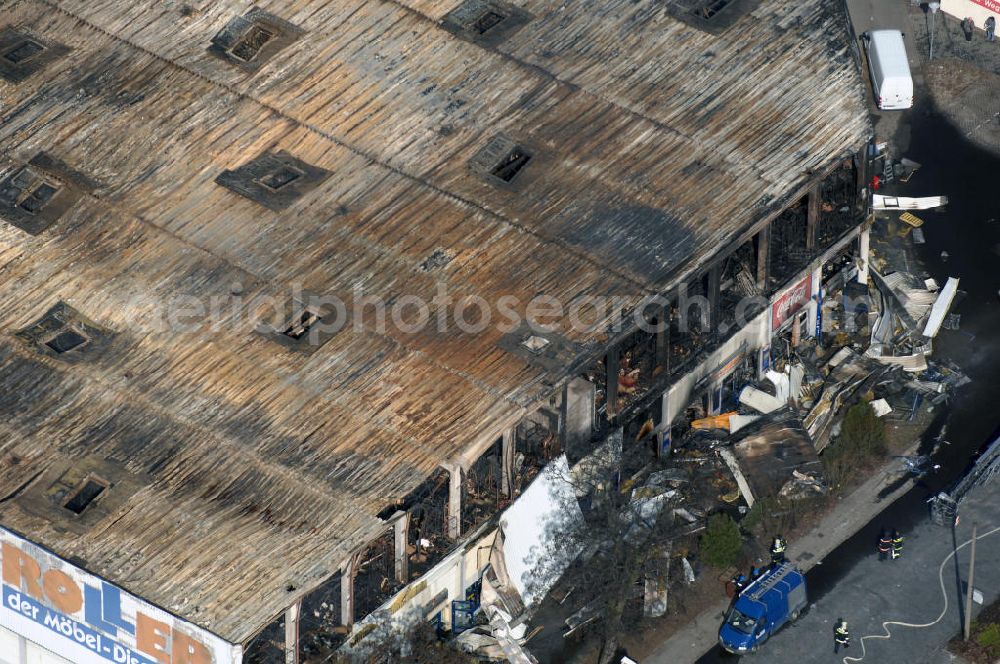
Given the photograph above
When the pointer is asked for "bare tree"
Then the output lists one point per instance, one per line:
(620, 541)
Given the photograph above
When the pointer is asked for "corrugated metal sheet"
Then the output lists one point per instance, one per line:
(654, 143)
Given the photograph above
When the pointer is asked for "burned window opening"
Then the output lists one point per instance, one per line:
(840, 207)
(737, 284)
(268, 647)
(789, 252)
(23, 52)
(689, 334)
(92, 489)
(427, 540)
(482, 496)
(375, 581)
(66, 341)
(281, 177)
(512, 164)
(536, 443)
(301, 324)
(320, 626)
(636, 368)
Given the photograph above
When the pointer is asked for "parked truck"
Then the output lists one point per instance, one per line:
(762, 608)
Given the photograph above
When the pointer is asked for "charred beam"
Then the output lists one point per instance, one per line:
(812, 217)
(763, 257)
(612, 362)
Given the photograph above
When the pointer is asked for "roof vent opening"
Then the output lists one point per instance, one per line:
(23, 51)
(248, 46)
(301, 324)
(711, 16)
(512, 164)
(251, 40)
(38, 198)
(22, 54)
(710, 8)
(87, 493)
(28, 190)
(276, 179)
(535, 343)
(487, 21)
(68, 339)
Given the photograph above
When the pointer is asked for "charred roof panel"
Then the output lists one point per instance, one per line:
(294, 453)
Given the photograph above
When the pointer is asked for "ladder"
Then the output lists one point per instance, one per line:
(776, 577)
(888, 174)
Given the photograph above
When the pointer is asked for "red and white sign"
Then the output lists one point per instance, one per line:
(992, 5)
(790, 302)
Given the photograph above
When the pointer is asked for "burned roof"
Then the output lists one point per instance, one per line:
(332, 145)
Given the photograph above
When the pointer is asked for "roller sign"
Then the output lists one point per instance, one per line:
(89, 621)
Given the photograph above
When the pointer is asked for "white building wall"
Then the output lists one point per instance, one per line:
(978, 10)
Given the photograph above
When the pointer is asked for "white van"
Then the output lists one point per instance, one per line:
(890, 70)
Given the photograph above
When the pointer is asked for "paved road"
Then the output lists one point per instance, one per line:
(869, 15)
(907, 590)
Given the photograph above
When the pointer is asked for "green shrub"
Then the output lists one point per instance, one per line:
(989, 638)
(862, 438)
(863, 432)
(721, 544)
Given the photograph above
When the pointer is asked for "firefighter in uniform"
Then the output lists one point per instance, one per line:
(841, 637)
(739, 582)
(884, 544)
(778, 551)
(755, 573)
(897, 544)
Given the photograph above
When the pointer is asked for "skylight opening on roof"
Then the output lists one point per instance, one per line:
(710, 8)
(280, 177)
(487, 21)
(535, 343)
(92, 489)
(38, 197)
(512, 164)
(711, 16)
(66, 340)
(23, 51)
(28, 190)
(250, 44)
(301, 324)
